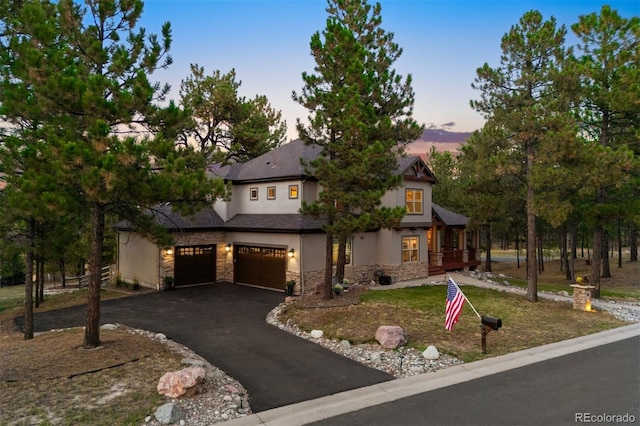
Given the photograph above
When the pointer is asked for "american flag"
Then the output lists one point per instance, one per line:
(455, 301)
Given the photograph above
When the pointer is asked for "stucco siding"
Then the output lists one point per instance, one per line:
(138, 260)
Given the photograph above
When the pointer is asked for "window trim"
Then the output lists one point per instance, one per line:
(291, 189)
(271, 189)
(410, 250)
(414, 203)
(253, 193)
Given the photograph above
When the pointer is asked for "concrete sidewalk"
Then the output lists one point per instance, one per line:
(354, 400)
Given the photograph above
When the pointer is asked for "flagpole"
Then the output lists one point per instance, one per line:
(465, 296)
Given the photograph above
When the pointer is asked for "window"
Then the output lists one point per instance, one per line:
(293, 191)
(271, 192)
(410, 249)
(347, 252)
(413, 201)
(253, 193)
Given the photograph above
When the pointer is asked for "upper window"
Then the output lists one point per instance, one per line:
(410, 248)
(293, 191)
(271, 192)
(414, 201)
(253, 193)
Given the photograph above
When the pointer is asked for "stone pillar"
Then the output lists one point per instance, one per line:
(582, 296)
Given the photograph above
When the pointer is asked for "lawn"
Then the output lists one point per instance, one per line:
(420, 311)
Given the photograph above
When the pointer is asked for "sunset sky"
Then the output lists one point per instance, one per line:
(267, 42)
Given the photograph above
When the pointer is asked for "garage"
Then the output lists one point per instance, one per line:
(195, 265)
(260, 266)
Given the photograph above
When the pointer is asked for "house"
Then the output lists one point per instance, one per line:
(258, 237)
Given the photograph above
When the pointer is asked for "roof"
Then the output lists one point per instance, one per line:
(448, 217)
(280, 163)
(208, 219)
(284, 162)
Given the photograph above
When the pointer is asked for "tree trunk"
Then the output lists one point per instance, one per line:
(532, 264)
(327, 288)
(92, 328)
(573, 249)
(596, 262)
(518, 244)
(633, 243)
(37, 282)
(342, 258)
(619, 243)
(63, 275)
(487, 236)
(606, 266)
(28, 284)
(41, 278)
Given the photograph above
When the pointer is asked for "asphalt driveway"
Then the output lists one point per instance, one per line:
(225, 324)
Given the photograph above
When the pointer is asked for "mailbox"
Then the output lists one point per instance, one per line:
(491, 322)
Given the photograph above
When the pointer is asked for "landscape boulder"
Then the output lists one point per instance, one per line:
(431, 353)
(168, 414)
(391, 336)
(185, 382)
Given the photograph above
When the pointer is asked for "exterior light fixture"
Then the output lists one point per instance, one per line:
(169, 252)
(291, 253)
(227, 248)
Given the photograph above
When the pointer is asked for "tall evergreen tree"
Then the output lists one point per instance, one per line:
(360, 117)
(609, 112)
(225, 126)
(77, 76)
(522, 97)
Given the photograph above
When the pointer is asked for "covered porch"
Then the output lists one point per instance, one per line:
(452, 246)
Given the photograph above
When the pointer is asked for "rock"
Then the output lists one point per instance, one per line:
(168, 413)
(431, 353)
(345, 345)
(109, 327)
(185, 382)
(161, 337)
(563, 293)
(290, 322)
(232, 389)
(391, 336)
(376, 358)
(191, 361)
(316, 334)
(147, 419)
(506, 283)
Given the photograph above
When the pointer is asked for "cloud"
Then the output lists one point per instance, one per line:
(449, 124)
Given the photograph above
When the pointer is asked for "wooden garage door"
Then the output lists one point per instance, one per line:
(261, 266)
(195, 265)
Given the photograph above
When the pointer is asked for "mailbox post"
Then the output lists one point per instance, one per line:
(487, 324)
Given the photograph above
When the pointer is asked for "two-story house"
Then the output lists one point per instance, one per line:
(258, 237)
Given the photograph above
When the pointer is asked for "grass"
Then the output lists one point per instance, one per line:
(420, 311)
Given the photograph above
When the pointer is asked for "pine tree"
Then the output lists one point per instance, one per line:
(522, 97)
(609, 112)
(360, 117)
(75, 85)
(227, 127)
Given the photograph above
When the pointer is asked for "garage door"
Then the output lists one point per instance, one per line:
(261, 266)
(195, 265)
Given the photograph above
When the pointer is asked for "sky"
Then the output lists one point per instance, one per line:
(267, 43)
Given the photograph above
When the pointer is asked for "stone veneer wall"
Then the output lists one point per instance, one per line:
(401, 272)
(581, 295)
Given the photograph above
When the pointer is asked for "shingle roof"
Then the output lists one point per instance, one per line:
(281, 162)
(275, 223)
(448, 217)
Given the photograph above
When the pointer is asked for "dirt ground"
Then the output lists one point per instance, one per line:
(51, 379)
